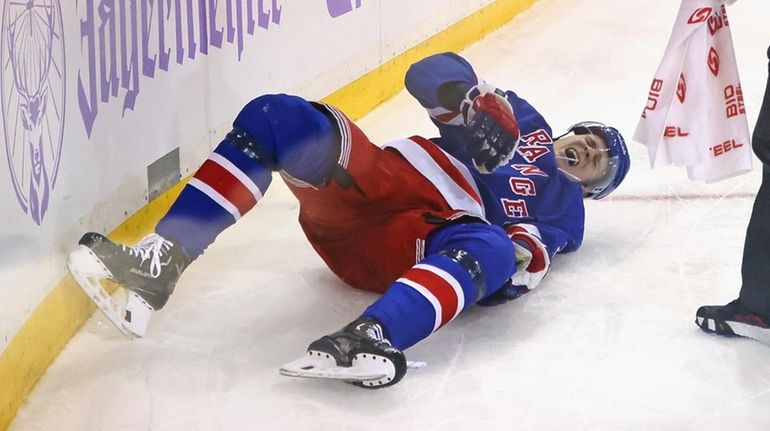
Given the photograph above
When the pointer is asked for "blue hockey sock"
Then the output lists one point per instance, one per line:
(425, 298)
(272, 132)
(225, 187)
(465, 262)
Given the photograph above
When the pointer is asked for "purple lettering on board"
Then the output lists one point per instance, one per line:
(178, 31)
(277, 12)
(87, 93)
(265, 15)
(125, 41)
(230, 25)
(148, 64)
(263, 19)
(251, 23)
(191, 46)
(108, 62)
(216, 34)
(341, 7)
(165, 54)
(129, 54)
(204, 31)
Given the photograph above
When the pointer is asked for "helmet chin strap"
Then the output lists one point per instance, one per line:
(570, 176)
(568, 158)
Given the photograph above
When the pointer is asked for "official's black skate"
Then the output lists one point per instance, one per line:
(358, 354)
(732, 320)
(149, 271)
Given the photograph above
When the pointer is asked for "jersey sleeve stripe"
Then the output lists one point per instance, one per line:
(445, 116)
(435, 166)
(343, 126)
(451, 166)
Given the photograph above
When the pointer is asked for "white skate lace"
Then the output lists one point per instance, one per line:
(151, 247)
(374, 332)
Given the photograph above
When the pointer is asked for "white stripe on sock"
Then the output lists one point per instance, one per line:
(422, 290)
(216, 197)
(237, 173)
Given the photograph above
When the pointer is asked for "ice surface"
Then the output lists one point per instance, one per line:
(606, 343)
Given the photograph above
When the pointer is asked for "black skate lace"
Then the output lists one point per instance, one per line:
(152, 247)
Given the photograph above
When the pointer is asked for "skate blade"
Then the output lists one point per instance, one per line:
(87, 270)
(314, 366)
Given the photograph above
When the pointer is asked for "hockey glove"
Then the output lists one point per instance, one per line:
(532, 260)
(492, 130)
(507, 293)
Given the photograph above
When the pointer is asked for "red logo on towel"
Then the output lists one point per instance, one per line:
(734, 101)
(718, 21)
(700, 15)
(713, 61)
(724, 147)
(675, 132)
(652, 97)
(681, 89)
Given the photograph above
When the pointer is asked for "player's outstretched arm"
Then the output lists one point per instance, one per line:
(439, 83)
(446, 85)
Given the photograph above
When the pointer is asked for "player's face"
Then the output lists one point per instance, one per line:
(583, 158)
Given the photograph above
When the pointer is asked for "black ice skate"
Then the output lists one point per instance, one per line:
(733, 319)
(357, 354)
(148, 271)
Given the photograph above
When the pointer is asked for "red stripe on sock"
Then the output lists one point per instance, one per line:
(440, 288)
(227, 185)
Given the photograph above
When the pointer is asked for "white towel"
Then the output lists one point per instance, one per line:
(694, 114)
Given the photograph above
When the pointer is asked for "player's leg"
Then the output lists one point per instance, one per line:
(749, 315)
(272, 132)
(464, 263)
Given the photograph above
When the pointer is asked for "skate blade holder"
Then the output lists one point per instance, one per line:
(131, 317)
(365, 367)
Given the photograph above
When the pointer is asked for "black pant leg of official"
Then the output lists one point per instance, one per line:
(755, 292)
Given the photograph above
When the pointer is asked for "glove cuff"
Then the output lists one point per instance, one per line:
(467, 109)
(521, 235)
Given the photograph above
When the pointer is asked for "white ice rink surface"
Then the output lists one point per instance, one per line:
(606, 343)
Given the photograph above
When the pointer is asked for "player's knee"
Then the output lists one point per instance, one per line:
(291, 131)
(484, 251)
(495, 252)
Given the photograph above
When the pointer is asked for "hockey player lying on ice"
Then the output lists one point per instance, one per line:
(438, 225)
